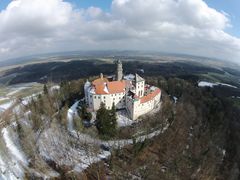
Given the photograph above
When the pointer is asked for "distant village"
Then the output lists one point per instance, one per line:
(128, 92)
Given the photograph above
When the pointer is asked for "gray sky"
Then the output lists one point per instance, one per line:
(178, 26)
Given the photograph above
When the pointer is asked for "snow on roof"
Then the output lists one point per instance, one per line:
(105, 88)
(153, 88)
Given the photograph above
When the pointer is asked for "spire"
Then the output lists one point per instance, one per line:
(101, 75)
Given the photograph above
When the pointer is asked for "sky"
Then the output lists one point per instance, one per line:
(208, 28)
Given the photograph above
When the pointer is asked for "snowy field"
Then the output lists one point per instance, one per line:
(9, 94)
(209, 84)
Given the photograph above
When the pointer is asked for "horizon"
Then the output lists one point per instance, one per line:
(44, 56)
(212, 31)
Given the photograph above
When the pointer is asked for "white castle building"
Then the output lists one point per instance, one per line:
(129, 92)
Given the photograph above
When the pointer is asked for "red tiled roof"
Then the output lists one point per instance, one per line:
(99, 81)
(110, 87)
(150, 96)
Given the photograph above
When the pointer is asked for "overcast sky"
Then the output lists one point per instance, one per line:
(205, 28)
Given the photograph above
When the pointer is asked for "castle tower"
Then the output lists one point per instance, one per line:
(139, 85)
(119, 73)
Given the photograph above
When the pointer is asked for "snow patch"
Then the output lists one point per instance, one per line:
(14, 150)
(123, 120)
(175, 99)
(7, 105)
(4, 98)
(26, 100)
(12, 167)
(57, 87)
(86, 156)
(105, 88)
(86, 161)
(54, 145)
(70, 115)
(205, 84)
(209, 84)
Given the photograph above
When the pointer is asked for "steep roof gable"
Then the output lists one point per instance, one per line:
(138, 78)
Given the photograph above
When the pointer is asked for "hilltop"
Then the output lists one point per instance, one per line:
(194, 134)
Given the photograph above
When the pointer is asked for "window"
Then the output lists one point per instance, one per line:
(104, 97)
(98, 97)
(95, 97)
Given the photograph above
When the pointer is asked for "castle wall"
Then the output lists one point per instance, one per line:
(140, 88)
(129, 106)
(134, 107)
(108, 99)
(143, 108)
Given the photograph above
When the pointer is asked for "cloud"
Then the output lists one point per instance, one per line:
(181, 26)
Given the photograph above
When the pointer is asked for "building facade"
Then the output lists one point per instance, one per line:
(125, 92)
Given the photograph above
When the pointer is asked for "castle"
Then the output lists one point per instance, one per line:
(125, 92)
